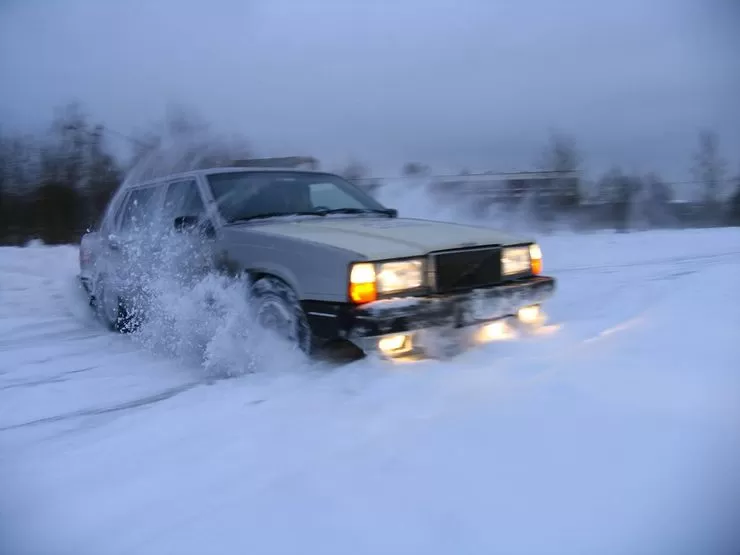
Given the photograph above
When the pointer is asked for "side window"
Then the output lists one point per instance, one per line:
(112, 214)
(137, 209)
(182, 199)
(331, 196)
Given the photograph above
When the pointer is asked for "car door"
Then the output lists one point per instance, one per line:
(182, 200)
(184, 213)
(125, 245)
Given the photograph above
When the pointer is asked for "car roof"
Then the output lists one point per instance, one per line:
(216, 170)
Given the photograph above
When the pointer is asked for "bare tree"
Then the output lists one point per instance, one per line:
(709, 170)
(657, 199)
(143, 144)
(733, 215)
(618, 191)
(104, 175)
(415, 169)
(354, 171)
(59, 207)
(562, 156)
(20, 170)
(54, 186)
(184, 142)
(4, 228)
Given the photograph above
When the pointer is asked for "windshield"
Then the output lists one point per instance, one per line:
(245, 195)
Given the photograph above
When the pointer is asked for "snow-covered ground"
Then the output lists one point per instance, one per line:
(617, 433)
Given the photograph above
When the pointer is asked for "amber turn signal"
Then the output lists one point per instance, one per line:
(362, 287)
(535, 257)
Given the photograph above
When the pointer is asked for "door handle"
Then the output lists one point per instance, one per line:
(114, 243)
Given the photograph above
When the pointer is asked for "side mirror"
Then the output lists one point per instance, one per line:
(185, 223)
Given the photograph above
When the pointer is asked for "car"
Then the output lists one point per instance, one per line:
(326, 264)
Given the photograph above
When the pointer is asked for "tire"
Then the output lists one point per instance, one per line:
(112, 312)
(276, 307)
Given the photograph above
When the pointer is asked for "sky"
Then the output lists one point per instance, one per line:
(475, 84)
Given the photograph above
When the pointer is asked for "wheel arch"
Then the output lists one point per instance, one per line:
(268, 271)
(287, 294)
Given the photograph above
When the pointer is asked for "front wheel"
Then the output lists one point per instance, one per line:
(278, 309)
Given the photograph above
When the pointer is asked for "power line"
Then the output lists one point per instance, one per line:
(129, 138)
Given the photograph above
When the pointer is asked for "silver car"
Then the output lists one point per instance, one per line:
(326, 264)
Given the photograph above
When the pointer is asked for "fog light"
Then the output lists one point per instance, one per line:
(394, 344)
(492, 331)
(529, 314)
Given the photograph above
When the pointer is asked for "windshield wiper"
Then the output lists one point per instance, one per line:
(275, 215)
(387, 211)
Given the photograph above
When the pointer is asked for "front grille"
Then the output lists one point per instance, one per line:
(467, 269)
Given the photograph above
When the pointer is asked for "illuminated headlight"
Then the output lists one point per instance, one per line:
(399, 276)
(368, 279)
(515, 260)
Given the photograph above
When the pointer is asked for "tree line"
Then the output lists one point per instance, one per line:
(55, 186)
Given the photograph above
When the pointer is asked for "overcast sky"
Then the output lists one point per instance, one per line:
(466, 83)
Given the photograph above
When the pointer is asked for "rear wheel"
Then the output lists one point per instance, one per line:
(111, 309)
(278, 309)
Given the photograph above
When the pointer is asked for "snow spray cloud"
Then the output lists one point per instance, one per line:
(186, 143)
(423, 197)
(177, 303)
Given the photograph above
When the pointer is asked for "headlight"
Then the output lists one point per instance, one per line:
(520, 260)
(398, 276)
(368, 279)
(515, 260)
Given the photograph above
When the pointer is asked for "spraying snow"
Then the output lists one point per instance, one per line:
(616, 434)
(196, 316)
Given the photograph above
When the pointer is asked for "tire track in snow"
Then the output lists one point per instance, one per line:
(729, 256)
(57, 358)
(78, 325)
(99, 411)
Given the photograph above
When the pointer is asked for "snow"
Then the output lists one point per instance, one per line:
(619, 432)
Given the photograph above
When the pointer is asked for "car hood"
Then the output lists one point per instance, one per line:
(379, 238)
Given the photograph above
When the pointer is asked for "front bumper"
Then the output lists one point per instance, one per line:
(412, 315)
